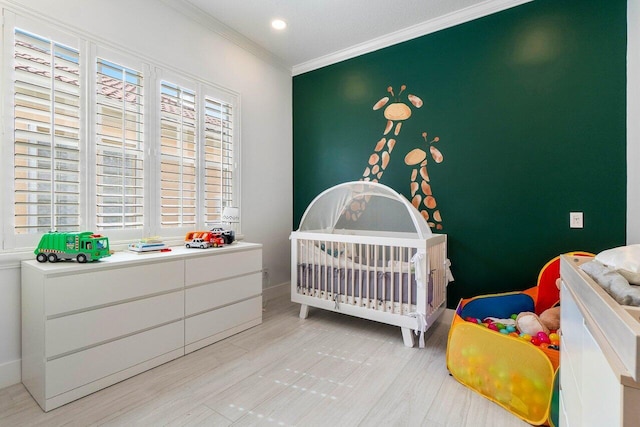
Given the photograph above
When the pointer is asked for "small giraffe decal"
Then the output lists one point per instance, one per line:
(422, 196)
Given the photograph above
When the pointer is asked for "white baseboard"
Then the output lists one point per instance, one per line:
(10, 373)
(273, 292)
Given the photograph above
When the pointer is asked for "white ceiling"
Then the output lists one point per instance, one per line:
(321, 32)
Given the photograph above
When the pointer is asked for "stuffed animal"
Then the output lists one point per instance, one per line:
(530, 323)
(549, 320)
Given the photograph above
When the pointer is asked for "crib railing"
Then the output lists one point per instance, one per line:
(372, 273)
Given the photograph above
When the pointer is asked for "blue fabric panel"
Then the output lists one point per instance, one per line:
(501, 306)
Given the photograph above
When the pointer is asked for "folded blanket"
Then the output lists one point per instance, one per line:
(612, 282)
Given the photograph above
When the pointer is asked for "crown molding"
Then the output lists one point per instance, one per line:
(189, 10)
(446, 21)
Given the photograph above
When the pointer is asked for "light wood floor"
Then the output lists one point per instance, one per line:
(328, 370)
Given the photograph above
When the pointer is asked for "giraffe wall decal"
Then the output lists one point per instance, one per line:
(422, 197)
(395, 113)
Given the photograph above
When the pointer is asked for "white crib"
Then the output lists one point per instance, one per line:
(388, 268)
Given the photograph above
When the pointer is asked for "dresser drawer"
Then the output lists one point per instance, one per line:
(214, 322)
(207, 269)
(90, 365)
(76, 331)
(217, 294)
(87, 290)
(570, 395)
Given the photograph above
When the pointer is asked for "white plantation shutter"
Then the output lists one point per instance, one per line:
(46, 135)
(178, 156)
(89, 146)
(219, 158)
(119, 147)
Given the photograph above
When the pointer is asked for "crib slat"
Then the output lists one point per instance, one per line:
(392, 270)
(353, 285)
(333, 270)
(310, 266)
(410, 280)
(401, 252)
(375, 277)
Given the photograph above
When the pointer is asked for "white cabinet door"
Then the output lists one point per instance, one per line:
(571, 360)
(601, 389)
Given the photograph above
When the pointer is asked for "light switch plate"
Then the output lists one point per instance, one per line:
(576, 219)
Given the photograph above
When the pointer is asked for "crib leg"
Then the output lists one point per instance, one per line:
(304, 311)
(407, 337)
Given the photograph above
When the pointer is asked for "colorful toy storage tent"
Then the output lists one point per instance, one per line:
(513, 373)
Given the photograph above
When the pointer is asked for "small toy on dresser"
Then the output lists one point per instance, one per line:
(203, 239)
(229, 236)
(82, 246)
(147, 245)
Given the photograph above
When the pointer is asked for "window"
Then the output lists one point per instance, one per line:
(119, 147)
(218, 140)
(197, 155)
(102, 141)
(47, 145)
(178, 158)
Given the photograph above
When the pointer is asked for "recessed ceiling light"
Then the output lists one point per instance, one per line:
(278, 24)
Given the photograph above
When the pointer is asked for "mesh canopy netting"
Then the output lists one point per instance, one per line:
(362, 206)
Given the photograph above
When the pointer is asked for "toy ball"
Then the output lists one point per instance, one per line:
(535, 341)
(492, 326)
(525, 337)
(554, 337)
(544, 338)
(511, 328)
(514, 316)
(470, 319)
(499, 325)
(504, 331)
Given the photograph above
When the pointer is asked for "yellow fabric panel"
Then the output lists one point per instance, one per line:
(515, 374)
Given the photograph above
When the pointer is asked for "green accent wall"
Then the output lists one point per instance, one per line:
(530, 108)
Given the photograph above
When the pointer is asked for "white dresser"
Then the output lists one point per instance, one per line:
(87, 326)
(599, 349)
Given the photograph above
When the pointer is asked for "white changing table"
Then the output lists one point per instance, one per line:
(599, 353)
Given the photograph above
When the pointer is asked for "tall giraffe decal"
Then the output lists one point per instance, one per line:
(395, 113)
(422, 196)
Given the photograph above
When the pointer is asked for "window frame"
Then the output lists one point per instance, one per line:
(125, 60)
(202, 91)
(12, 21)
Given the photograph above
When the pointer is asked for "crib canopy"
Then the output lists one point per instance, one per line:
(361, 207)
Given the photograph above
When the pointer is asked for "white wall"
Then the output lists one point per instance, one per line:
(154, 30)
(633, 121)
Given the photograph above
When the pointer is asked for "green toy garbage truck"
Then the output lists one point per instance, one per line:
(84, 246)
